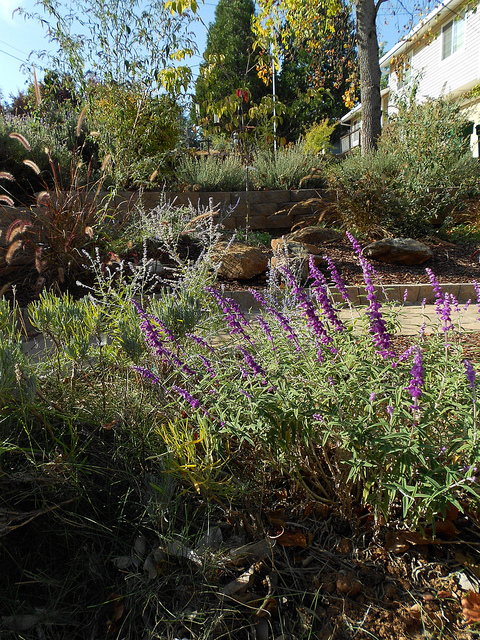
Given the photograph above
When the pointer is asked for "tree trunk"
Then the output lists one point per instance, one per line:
(366, 13)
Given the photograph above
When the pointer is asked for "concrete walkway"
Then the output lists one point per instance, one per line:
(411, 317)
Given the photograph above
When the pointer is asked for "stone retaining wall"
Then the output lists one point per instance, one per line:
(266, 210)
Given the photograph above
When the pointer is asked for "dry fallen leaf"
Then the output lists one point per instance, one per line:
(294, 539)
(401, 541)
(240, 585)
(252, 552)
(471, 607)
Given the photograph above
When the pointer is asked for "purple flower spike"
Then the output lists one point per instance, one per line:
(321, 295)
(381, 338)
(339, 283)
(470, 373)
(266, 329)
(313, 321)
(442, 302)
(356, 246)
(200, 341)
(416, 383)
(281, 319)
(254, 366)
(193, 402)
(208, 366)
(390, 410)
(232, 313)
(148, 375)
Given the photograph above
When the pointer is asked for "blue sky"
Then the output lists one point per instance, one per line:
(18, 37)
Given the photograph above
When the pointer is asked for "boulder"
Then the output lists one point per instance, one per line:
(239, 261)
(314, 235)
(398, 251)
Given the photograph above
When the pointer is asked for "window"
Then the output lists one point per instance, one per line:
(453, 36)
(404, 73)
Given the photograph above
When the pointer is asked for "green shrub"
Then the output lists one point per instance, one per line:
(134, 131)
(211, 173)
(317, 137)
(292, 167)
(366, 197)
(422, 170)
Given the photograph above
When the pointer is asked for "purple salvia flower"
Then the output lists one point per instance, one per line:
(266, 329)
(318, 417)
(152, 335)
(235, 322)
(390, 410)
(175, 360)
(373, 397)
(467, 304)
(243, 371)
(246, 394)
(406, 354)
(339, 283)
(442, 304)
(421, 333)
(313, 321)
(148, 324)
(416, 383)
(378, 327)
(193, 402)
(454, 303)
(156, 321)
(470, 373)
(322, 296)
(200, 341)
(356, 246)
(405, 295)
(154, 339)
(435, 284)
(208, 366)
(282, 320)
(254, 366)
(148, 375)
(234, 307)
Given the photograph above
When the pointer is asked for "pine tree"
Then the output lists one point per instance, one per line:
(228, 60)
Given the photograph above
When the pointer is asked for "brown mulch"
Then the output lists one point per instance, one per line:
(451, 263)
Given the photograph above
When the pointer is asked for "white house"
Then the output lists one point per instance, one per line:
(442, 55)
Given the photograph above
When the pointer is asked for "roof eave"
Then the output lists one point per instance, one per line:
(419, 30)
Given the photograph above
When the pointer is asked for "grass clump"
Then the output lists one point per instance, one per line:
(293, 167)
(211, 173)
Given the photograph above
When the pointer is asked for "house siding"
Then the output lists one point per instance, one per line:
(457, 73)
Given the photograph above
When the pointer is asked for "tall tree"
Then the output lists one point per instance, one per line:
(302, 19)
(313, 81)
(370, 75)
(228, 61)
